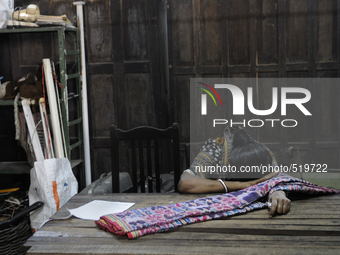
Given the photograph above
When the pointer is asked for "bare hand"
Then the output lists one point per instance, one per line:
(280, 204)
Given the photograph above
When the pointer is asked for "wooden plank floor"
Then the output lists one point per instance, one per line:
(311, 227)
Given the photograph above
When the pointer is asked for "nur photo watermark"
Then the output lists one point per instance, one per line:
(293, 118)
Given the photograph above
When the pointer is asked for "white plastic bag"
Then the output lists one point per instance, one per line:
(52, 182)
(6, 10)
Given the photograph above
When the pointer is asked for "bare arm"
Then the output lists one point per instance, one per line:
(194, 184)
(189, 183)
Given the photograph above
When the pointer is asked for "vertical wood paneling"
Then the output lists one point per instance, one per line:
(104, 108)
(116, 32)
(338, 46)
(288, 44)
(61, 7)
(99, 33)
(327, 49)
(302, 132)
(182, 103)
(267, 133)
(24, 59)
(211, 35)
(25, 56)
(267, 34)
(134, 30)
(132, 72)
(182, 33)
(139, 100)
(238, 32)
(253, 13)
(311, 86)
(297, 28)
(225, 40)
(101, 159)
(244, 84)
(282, 37)
(327, 111)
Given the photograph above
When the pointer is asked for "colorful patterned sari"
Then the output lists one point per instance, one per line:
(139, 222)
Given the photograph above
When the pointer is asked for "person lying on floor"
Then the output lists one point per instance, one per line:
(236, 148)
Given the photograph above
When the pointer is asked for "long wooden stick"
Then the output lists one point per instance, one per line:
(47, 133)
(32, 130)
(59, 109)
(85, 114)
(57, 136)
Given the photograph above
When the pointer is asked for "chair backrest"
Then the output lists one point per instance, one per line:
(145, 140)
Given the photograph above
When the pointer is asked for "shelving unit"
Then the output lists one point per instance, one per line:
(63, 34)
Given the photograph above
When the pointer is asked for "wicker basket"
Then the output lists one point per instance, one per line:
(12, 238)
(15, 232)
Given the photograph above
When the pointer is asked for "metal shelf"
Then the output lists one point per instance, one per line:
(23, 167)
(38, 30)
(63, 34)
(17, 167)
(7, 102)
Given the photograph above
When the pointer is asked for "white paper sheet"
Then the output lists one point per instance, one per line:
(97, 208)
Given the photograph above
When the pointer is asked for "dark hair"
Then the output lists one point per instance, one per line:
(247, 152)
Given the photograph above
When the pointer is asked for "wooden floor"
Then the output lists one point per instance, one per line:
(311, 227)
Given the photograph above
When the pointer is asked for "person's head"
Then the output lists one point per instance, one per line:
(247, 152)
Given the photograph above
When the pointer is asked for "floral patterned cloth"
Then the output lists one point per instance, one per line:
(139, 222)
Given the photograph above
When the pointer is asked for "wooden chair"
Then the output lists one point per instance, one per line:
(147, 140)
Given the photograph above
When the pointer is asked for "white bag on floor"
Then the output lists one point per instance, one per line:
(6, 10)
(52, 182)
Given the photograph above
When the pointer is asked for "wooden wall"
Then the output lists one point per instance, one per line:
(262, 39)
(141, 54)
